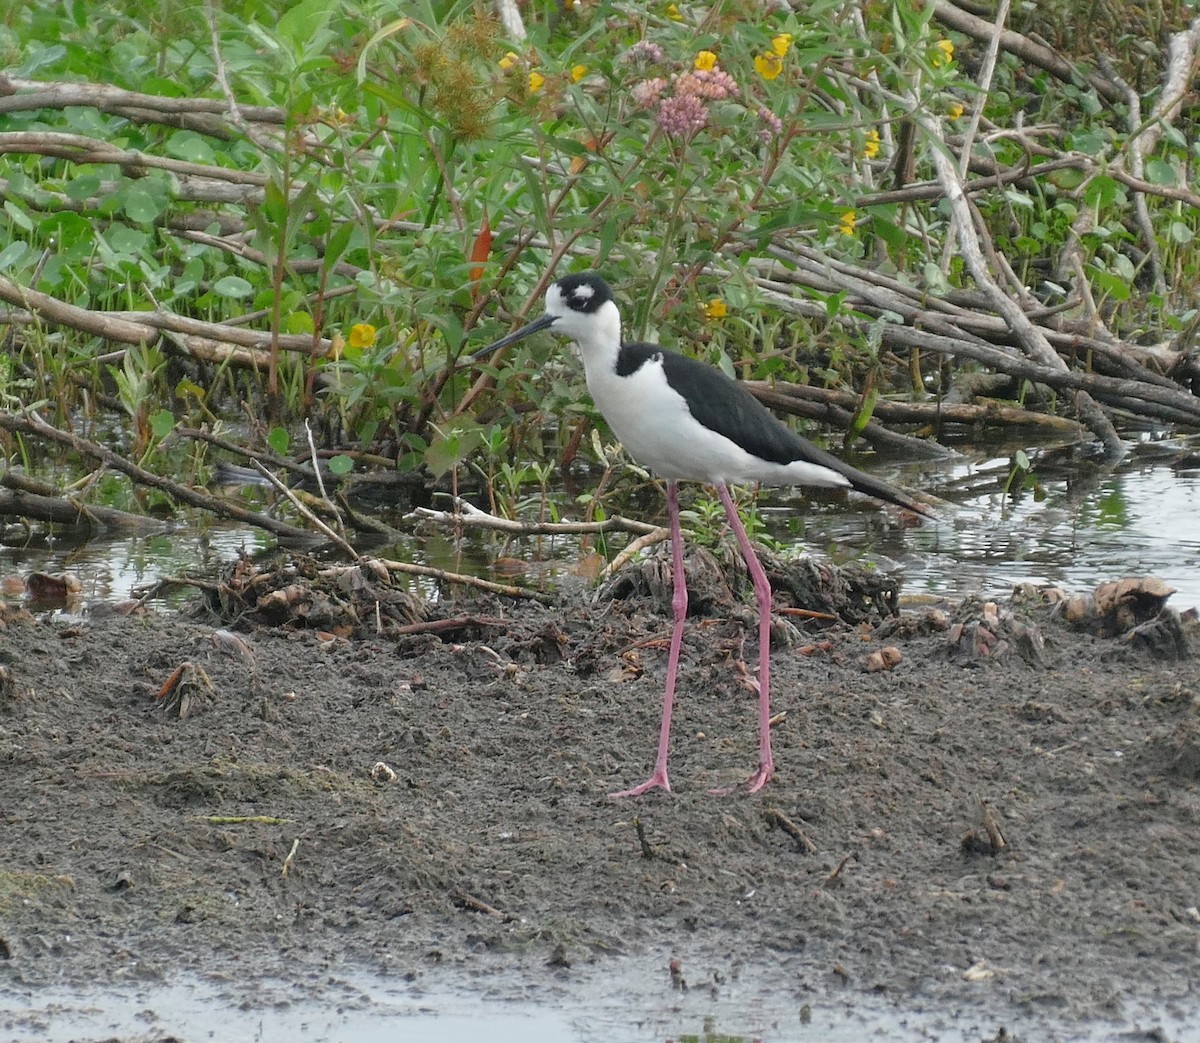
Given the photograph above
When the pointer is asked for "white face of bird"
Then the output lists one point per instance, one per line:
(580, 307)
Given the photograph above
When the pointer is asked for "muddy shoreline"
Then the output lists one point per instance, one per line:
(1009, 827)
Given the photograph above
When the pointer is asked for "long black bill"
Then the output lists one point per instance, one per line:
(545, 322)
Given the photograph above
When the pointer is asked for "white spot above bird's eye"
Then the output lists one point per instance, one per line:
(583, 292)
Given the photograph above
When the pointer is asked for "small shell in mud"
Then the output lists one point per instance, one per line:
(884, 659)
(380, 772)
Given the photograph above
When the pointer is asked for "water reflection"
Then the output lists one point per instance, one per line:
(1071, 524)
(112, 570)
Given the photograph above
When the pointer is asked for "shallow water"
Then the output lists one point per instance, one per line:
(1076, 528)
(627, 1001)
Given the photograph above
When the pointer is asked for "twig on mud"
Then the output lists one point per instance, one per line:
(439, 626)
(161, 585)
(287, 862)
(647, 850)
(659, 535)
(478, 905)
(807, 613)
(988, 842)
(804, 843)
(467, 515)
(442, 576)
(990, 826)
(238, 820)
(835, 879)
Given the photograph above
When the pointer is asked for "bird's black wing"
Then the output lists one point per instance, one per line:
(723, 405)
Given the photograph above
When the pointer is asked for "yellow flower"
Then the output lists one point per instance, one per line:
(536, 79)
(705, 60)
(509, 60)
(768, 65)
(673, 13)
(362, 335)
(956, 110)
(714, 309)
(847, 223)
(578, 72)
(781, 44)
(944, 53)
(871, 148)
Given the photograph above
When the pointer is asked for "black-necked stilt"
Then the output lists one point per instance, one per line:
(685, 420)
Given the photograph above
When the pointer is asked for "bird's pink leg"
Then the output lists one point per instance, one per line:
(762, 592)
(679, 603)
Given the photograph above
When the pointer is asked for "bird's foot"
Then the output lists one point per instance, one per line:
(656, 781)
(760, 778)
(752, 785)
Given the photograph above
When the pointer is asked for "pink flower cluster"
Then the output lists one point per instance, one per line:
(682, 115)
(643, 53)
(772, 125)
(711, 84)
(646, 93)
(680, 106)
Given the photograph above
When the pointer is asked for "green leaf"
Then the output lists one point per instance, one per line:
(188, 388)
(299, 322)
(865, 411)
(126, 242)
(140, 206)
(447, 451)
(275, 203)
(893, 235)
(1088, 141)
(18, 216)
(279, 440)
(1111, 285)
(1124, 267)
(191, 147)
(1181, 233)
(80, 188)
(1103, 191)
(40, 58)
(162, 423)
(302, 23)
(1160, 172)
(232, 286)
(341, 464)
(12, 254)
(337, 244)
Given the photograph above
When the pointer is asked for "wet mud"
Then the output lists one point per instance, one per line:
(312, 771)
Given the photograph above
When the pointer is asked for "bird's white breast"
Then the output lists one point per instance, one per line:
(654, 424)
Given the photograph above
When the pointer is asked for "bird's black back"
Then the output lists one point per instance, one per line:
(723, 405)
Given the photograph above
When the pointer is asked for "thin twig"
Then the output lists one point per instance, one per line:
(775, 817)
(295, 501)
(467, 515)
(442, 576)
(287, 862)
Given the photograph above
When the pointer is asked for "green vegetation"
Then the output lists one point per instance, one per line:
(343, 199)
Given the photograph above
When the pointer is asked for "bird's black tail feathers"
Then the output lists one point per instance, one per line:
(868, 485)
(880, 490)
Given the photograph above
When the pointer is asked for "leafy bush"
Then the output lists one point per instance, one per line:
(396, 189)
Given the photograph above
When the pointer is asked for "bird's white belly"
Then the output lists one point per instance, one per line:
(657, 429)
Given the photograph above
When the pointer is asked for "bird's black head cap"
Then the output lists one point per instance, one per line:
(584, 292)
